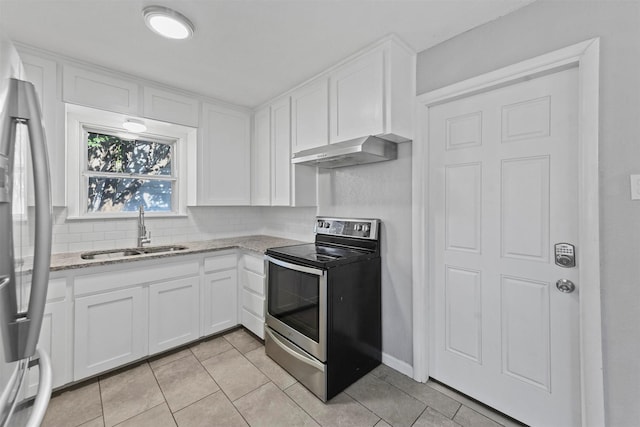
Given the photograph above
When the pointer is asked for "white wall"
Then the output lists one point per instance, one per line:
(292, 223)
(539, 28)
(381, 190)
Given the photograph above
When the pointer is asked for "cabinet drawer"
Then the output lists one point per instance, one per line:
(253, 282)
(106, 281)
(57, 289)
(220, 262)
(253, 303)
(253, 323)
(254, 263)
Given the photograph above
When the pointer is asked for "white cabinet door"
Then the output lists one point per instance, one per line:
(281, 153)
(54, 336)
(170, 107)
(357, 98)
(310, 116)
(275, 181)
(220, 299)
(110, 330)
(224, 157)
(43, 74)
(174, 313)
(261, 158)
(92, 89)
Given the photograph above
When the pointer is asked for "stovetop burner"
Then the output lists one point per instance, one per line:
(322, 258)
(319, 255)
(338, 241)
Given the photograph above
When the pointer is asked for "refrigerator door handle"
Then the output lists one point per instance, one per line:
(45, 386)
(29, 113)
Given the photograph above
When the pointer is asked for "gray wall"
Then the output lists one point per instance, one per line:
(539, 28)
(381, 190)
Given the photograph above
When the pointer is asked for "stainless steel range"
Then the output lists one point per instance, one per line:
(323, 321)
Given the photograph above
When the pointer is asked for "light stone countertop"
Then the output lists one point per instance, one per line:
(258, 244)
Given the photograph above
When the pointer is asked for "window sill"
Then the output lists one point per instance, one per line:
(129, 215)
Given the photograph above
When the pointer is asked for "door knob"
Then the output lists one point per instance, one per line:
(565, 286)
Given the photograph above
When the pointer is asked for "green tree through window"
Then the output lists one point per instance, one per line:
(123, 174)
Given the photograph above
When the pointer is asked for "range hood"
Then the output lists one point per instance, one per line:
(359, 151)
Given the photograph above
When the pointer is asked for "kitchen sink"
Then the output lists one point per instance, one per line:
(160, 249)
(122, 253)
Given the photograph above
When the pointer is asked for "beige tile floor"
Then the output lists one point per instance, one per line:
(229, 381)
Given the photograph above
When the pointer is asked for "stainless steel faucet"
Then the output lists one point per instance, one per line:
(143, 235)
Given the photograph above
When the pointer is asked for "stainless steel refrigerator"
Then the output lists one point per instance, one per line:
(25, 245)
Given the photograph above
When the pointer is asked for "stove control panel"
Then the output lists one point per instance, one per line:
(347, 227)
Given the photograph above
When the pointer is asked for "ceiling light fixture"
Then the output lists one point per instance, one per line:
(134, 125)
(167, 22)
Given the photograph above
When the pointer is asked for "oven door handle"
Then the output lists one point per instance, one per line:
(296, 267)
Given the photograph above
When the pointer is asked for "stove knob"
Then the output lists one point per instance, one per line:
(326, 224)
(320, 224)
(365, 227)
(358, 227)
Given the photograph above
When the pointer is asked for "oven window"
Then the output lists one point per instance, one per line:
(294, 299)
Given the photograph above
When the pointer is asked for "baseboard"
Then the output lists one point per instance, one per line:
(397, 364)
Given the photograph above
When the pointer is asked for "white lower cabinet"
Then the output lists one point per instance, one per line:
(100, 318)
(54, 337)
(110, 330)
(219, 292)
(253, 293)
(174, 313)
(220, 296)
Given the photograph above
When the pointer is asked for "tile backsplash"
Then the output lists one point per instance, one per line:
(202, 223)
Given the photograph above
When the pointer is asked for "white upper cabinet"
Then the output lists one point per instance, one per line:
(310, 115)
(369, 94)
(170, 107)
(357, 98)
(372, 95)
(43, 74)
(111, 93)
(224, 157)
(281, 153)
(275, 181)
(261, 158)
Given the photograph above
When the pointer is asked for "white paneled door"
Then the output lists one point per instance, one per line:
(504, 191)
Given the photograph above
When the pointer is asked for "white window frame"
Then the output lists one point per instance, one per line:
(81, 120)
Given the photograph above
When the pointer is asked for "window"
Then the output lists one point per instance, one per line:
(111, 172)
(123, 174)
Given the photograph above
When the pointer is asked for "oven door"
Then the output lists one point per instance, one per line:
(297, 305)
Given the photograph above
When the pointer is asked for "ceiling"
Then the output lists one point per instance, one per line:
(243, 51)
